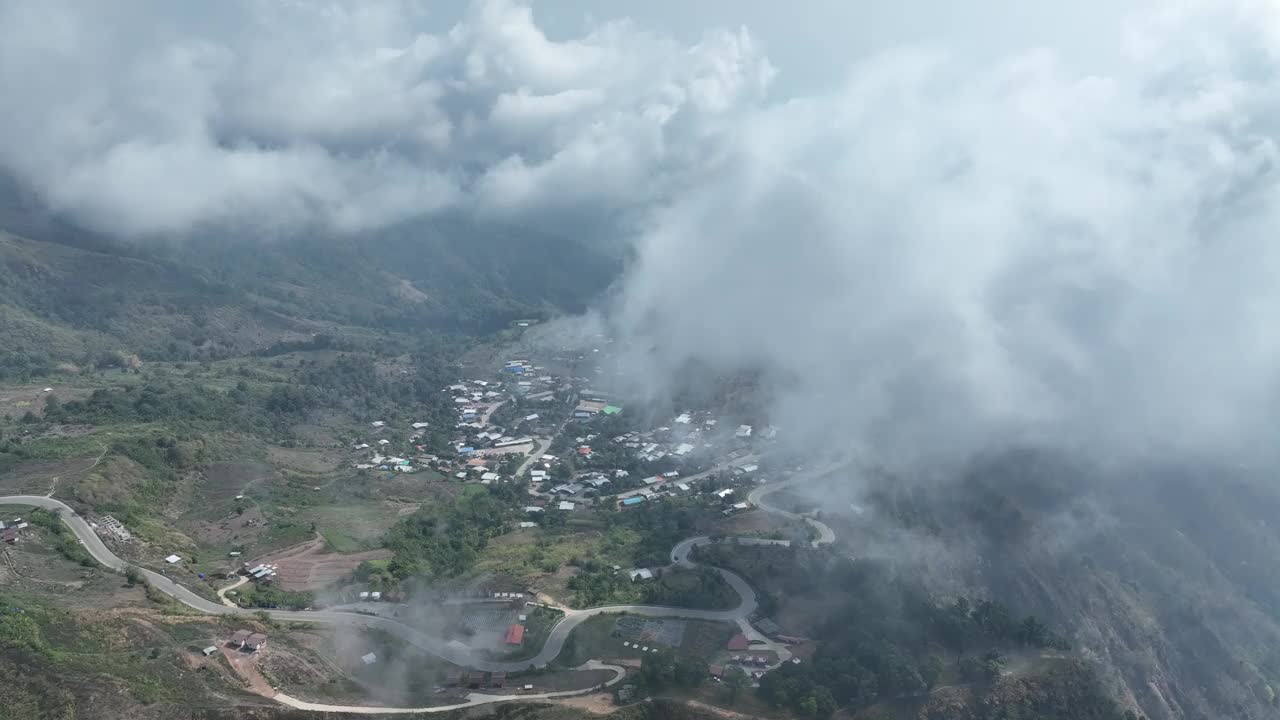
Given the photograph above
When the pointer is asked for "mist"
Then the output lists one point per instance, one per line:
(939, 242)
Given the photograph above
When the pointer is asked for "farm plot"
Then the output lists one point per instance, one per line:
(308, 566)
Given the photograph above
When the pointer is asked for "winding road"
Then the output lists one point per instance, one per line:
(826, 535)
(454, 652)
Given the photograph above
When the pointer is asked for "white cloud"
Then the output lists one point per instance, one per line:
(146, 118)
(953, 247)
(930, 259)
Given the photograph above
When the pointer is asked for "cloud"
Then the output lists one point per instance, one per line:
(143, 118)
(937, 256)
(942, 251)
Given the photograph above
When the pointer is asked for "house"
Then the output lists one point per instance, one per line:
(722, 494)
(361, 446)
(369, 659)
(567, 489)
(683, 419)
(384, 442)
(641, 574)
(566, 505)
(684, 449)
(744, 431)
(378, 423)
(683, 487)
(632, 501)
(528, 524)
(210, 650)
(538, 474)
(598, 482)
(490, 477)
(498, 679)
(515, 634)
(611, 410)
(475, 679)
(590, 407)
(364, 595)
(531, 418)
(375, 595)
(420, 425)
(238, 637)
(255, 642)
(717, 671)
(9, 536)
(738, 642)
(532, 509)
(453, 678)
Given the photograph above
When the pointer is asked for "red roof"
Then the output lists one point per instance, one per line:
(738, 642)
(515, 634)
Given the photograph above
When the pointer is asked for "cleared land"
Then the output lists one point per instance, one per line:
(308, 566)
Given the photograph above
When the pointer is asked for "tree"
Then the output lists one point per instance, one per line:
(930, 670)
(133, 575)
(658, 669)
(691, 671)
(735, 678)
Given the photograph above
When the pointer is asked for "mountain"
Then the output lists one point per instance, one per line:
(70, 297)
(1164, 572)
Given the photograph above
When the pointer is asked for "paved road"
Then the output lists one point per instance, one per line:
(826, 535)
(472, 700)
(691, 478)
(453, 652)
(540, 446)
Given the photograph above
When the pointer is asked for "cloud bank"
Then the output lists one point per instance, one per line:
(938, 253)
(145, 118)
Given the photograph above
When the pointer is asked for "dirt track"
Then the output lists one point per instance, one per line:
(308, 566)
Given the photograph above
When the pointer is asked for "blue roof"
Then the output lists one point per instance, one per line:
(633, 501)
(467, 450)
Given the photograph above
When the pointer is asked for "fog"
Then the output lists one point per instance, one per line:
(937, 238)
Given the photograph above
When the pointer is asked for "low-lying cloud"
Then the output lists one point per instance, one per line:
(144, 118)
(939, 253)
(935, 258)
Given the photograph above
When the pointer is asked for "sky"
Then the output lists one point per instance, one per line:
(935, 227)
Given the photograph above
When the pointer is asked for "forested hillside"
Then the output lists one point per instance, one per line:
(81, 300)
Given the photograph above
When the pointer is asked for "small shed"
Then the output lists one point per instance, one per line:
(210, 650)
(369, 659)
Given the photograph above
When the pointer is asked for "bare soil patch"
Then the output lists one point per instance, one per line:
(17, 400)
(597, 704)
(234, 529)
(36, 477)
(225, 480)
(309, 461)
(307, 566)
(756, 521)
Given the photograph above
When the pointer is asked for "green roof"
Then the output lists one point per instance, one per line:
(611, 410)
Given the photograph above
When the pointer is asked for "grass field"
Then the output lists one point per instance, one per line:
(595, 638)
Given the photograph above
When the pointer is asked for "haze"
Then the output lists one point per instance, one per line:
(952, 230)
